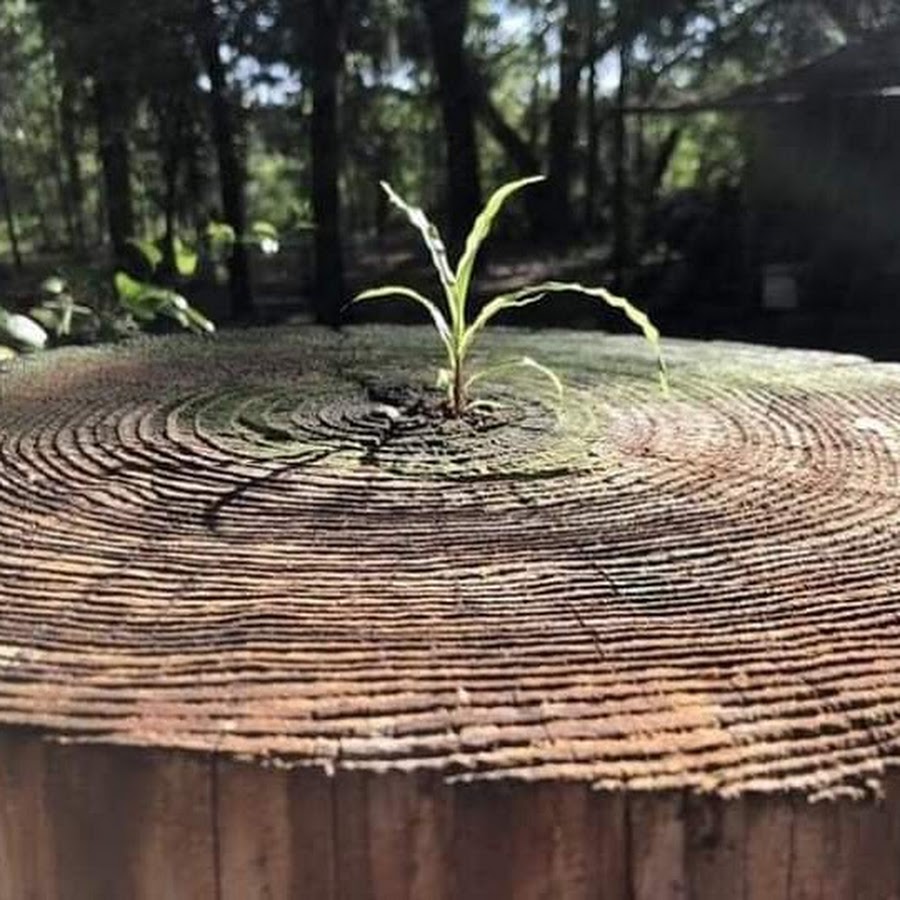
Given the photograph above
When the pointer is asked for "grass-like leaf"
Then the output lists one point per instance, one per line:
(392, 290)
(536, 292)
(525, 362)
(433, 241)
(480, 230)
(456, 334)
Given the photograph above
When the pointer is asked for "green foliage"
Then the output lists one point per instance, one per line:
(709, 154)
(221, 237)
(455, 330)
(19, 333)
(186, 259)
(146, 301)
(61, 314)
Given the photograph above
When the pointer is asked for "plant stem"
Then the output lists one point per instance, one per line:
(459, 400)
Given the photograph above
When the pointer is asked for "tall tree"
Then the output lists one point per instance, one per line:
(111, 107)
(621, 209)
(327, 65)
(564, 120)
(11, 230)
(69, 140)
(447, 20)
(231, 167)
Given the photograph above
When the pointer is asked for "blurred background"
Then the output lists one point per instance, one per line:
(733, 167)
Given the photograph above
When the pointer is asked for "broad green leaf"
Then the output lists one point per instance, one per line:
(261, 229)
(185, 258)
(432, 238)
(142, 300)
(53, 285)
(45, 316)
(220, 234)
(149, 251)
(481, 229)
(126, 286)
(22, 331)
(393, 290)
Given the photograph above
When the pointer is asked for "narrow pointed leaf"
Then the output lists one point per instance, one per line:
(482, 228)
(525, 297)
(537, 292)
(433, 241)
(396, 290)
(525, 362)
(197, 321)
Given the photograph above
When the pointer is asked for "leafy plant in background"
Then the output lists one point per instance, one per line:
(63, 316)
(219, 239)
(145, 301)
(77, 305)
(456, 332)
(19, 333)
(57, 317)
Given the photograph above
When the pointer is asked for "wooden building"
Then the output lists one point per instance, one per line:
(820, 200)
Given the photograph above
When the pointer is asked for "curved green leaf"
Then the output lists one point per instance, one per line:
(186, 259)
(221, 236)
(396, 290)
(480, 230)
(262, 229)
(197, 321)
(149, 251)
(433, 241)
(525, 297)
(525, 362)
(537, 292)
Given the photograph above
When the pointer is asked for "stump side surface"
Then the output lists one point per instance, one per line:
(265, 545)
(102, 823)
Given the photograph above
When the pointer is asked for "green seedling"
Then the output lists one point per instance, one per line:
(456, 332)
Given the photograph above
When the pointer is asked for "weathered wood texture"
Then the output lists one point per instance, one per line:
(604, 648)
(104, 823)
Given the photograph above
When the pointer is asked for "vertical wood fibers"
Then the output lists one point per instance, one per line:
(103, 823)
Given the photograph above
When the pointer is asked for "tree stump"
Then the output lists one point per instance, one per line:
(271, 626)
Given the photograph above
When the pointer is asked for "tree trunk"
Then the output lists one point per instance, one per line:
(520, 154)
(592, 164)
(115, 159)
(563, 123)
(231, 169)
(11, 231)
(170, 168)
(328, 60)
(56, 164)
(68, 123)
(447, 27)
(621, 245)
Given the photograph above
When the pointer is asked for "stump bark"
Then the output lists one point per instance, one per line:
(620, 645)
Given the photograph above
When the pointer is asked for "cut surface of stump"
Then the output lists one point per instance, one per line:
(268, 545)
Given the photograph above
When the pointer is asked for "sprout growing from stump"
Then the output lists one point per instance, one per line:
(456, 332)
